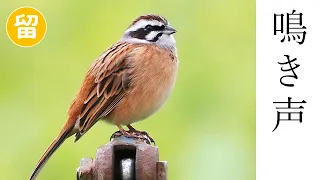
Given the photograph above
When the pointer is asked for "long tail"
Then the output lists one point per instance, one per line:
(64, 134)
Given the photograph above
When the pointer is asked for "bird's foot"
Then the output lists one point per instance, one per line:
(142, 135)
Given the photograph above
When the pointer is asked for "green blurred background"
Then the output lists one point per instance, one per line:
(206, 130)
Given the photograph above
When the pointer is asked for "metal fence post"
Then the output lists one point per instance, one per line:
(124, 159)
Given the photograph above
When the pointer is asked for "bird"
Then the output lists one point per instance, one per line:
(127, 83)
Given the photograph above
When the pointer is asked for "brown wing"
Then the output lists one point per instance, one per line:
(104, 86)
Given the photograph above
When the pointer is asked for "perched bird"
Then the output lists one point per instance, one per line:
(129, 82)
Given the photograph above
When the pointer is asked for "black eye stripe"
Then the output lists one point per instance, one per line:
(139, 34)
(143, 32)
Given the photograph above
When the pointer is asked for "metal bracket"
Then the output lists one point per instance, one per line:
(124, 159)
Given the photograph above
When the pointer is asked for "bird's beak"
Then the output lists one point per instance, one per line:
(169, 30)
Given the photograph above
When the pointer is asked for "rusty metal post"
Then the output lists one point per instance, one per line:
(124, 159)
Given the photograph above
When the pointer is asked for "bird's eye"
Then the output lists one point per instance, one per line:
(162, 27)
(148, 28)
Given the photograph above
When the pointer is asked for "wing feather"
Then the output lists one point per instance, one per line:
(104, 86)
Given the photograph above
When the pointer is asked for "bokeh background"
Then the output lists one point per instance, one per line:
(206, 130)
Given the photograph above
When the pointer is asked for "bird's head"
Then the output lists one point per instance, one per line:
(150, 29)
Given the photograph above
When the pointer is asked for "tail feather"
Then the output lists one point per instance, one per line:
(50, 150)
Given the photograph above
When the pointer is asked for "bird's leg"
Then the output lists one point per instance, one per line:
(119, 133)
(124, 132)
(132, 129)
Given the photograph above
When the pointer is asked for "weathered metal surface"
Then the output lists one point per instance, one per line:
(124, 159)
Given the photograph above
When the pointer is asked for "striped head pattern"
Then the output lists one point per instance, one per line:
(150, 29)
